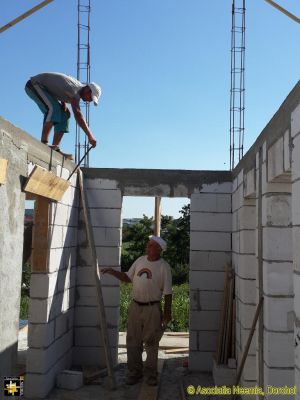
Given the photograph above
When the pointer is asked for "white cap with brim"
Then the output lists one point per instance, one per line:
(96, 92)
(159, 240)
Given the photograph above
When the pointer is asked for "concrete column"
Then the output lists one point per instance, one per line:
(210, 251)
(12, 202)
(105, 202)
(244, 264)
(295, 136)
(52, 298)
(277, 265)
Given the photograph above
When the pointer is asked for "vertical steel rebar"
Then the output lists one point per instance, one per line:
(237, 82)
(83, 70)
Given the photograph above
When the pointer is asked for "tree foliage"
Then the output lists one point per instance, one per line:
(176, 232)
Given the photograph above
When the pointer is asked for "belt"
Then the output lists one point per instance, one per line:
(149, 303)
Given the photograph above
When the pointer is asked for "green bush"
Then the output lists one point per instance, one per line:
(180, 307)
(24, 307)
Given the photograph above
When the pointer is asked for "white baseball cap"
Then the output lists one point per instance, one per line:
(96, 92)
(159, 240)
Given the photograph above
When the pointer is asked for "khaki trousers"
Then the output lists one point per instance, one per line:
(144, 326)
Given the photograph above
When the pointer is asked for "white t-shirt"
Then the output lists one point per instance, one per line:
(151, 279)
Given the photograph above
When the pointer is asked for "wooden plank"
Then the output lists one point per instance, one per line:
(3, 169)
(46, 184)
(222, 318)
(151, 392)
(40, 235)
(157, 214)
(177, 350)
(184, 334)
(95, 264)
(246, 350)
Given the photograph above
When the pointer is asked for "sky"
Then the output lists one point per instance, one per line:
(164, 70)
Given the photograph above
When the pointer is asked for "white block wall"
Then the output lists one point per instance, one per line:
(277, 265)
(105, 202)
(295, 137)
(52, 298)
(244, 263)
(210, 250)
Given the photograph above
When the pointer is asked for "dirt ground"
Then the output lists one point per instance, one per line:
(174, 378)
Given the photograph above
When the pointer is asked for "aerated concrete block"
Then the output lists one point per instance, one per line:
(211, 202)
(206, 280)
(92, 337)
(63, 323)
(93, 356)
(211, 222)
(218, 241)
(206, 300)
(275, 160)
(247, 266)
(98, 183)
(87, 296)
(43, 285)
(247, 241)
(278, 314)
(209, 260)
(295, 209)
(200, 361)
(106, 217)
(250, 184)
(204, 320)
(277, 244)
(247, 290)
(287, 153)
(104, 198)
(70, 380)
(279, 377)
(89, 316)
(276, 210)
(279, 349)
(295, 121)
(41, 335)
(218, 187)
(278, 278)
(107, 236)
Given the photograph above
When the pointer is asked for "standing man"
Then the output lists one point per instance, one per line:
(51, 91)
(151, 279)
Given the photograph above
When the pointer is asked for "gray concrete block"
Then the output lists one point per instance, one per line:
(209, 260)
(210, 241)
(277, 244)
(70, 380)
(247, 241)
(279, 349)
(272, 376)
(63, 323)
(104, 198)
(217, 187)
(205, 300)
(107, 256)
(279, 314)
(85, 276)
(247, 266)
(247, 290)
(277, 210)
(250, 184)
(42, 285)
(295, 121)
(39, 310)
(107, 236)
(278, 278)
(200, 361)
(208, 202)
(89, 316)
(99, 183)
(206, 280)
(204, 320)
(41, 335)
(246, 217)
(87, 296)
(93, 356)
(211, 222)
(287, 151)
(106, 217)
(42, 360)
(92, 336)
(56, 237)
(275, 160)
